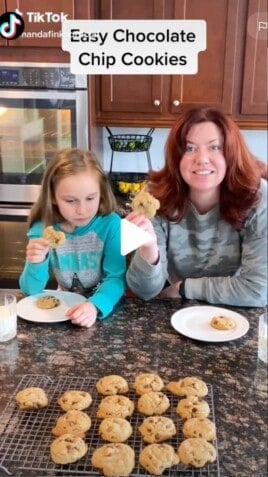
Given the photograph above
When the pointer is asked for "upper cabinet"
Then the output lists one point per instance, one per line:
(161, 98)
(156, 100)
(254, 84)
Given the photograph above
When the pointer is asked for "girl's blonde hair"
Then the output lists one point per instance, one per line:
(69, 162)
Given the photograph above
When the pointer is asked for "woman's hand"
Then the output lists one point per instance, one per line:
(36, 250)
(84, 314)
(148, 251)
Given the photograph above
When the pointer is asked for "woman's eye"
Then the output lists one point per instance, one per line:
(215, 147)
(189, 148)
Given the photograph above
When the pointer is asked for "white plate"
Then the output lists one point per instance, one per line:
(194, 322)
(27, 309)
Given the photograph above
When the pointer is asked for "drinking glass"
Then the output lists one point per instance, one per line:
(8, 317)
(262, 339)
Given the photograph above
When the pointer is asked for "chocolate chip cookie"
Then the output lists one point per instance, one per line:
(114, 460)
(156, 458)
(73, 399)
(157, 429)
(31, 398)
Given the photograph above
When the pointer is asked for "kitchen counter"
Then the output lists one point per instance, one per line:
(138, 337)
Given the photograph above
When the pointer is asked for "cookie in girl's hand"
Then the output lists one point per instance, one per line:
(145, 204)
(54, 238)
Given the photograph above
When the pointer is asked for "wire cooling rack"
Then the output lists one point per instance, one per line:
(25, 436)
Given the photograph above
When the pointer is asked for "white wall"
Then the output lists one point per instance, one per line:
(137, 162)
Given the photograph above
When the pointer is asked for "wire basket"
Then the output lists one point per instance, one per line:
(130, 142)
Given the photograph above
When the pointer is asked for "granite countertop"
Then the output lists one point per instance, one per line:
(138, 337)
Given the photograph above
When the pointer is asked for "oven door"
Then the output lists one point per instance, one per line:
(13, 241)
(33, 126)
(13, 233)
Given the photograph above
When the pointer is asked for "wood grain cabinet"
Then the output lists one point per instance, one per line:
(225, 70)
(157, 100)
(254, 83)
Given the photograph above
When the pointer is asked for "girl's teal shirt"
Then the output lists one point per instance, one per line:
(89, 262)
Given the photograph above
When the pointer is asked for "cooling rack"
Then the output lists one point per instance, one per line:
(25, 436)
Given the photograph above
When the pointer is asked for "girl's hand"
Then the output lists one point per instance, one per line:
(36, 250)
(84, 314)
(148, 251)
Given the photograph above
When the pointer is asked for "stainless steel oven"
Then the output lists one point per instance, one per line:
(43, 108)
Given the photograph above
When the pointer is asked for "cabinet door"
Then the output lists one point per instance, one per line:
(131, 93)
(254, 98)
(213, 84)
(42, 21)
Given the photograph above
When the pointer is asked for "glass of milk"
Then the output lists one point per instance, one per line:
(8, 317)
(262, 343)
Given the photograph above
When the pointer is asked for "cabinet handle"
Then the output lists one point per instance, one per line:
(176, 103)
(157, 102)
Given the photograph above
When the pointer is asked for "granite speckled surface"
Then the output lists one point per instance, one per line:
(138, 337)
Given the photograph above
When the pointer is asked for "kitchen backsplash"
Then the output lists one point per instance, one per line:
(137, 161)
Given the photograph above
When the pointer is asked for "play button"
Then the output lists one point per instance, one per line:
(132, 237)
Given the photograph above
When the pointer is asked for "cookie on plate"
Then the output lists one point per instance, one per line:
(192, 406)
(157, 429)
(146, 382)
(153, 402)
(189, 386)
(53, 237)
(115, 429)
(145, 204)
(115, 406)
(112, 384)
(47, 302)
(67, 449)
(196, 452)
(222, 322)
(73, 399)
(31, 398)
(72, 422)
(156, 458)
(114, 460)
(199, 427)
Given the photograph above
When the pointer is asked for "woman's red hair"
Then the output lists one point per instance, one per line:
(239, 189)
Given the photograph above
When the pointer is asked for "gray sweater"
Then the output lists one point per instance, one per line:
(220, 264)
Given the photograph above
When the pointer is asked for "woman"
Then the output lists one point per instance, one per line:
(76, 199)
(209, 239)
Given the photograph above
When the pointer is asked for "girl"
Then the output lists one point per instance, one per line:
(209, 240)
(76, 198)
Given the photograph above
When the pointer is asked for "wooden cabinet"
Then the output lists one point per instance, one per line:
(157, 100)
(254, 88)
(231, 71)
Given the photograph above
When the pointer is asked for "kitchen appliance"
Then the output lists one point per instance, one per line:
(43, 108)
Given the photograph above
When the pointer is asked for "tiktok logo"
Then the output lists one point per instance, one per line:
(11, 25)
